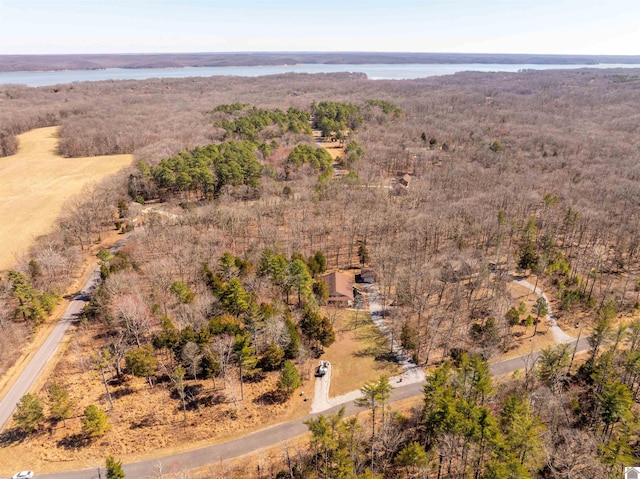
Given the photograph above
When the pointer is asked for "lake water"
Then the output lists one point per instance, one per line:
(373, 71)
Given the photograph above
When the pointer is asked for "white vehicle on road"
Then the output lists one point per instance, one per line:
(23, 475)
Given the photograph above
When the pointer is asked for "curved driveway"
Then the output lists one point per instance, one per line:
(220, 452)
(559, 336)
(273, 435)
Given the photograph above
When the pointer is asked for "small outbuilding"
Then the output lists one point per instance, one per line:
(340, 288)
(405, 180)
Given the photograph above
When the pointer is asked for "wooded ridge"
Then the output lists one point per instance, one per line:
(451, 187)
(10, 63)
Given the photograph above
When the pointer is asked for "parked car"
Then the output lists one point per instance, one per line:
(23, 475)
(322, 369)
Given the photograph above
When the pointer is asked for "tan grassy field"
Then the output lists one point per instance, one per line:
(145, 423)
(35, 183)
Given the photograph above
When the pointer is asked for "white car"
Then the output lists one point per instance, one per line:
(322, 369)
(23, 475)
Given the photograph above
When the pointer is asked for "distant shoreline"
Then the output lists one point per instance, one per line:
(43, 63)
(380, 71)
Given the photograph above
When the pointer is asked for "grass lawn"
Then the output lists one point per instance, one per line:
(359, 354)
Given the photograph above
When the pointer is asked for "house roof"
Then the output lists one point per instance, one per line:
(340, 284)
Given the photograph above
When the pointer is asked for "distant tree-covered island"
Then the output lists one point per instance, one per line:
(10, 63)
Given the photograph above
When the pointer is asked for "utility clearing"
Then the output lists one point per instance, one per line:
(36, 182)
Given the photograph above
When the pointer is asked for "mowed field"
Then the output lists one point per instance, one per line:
(35, 183)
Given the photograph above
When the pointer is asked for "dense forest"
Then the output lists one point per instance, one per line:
(452, 185)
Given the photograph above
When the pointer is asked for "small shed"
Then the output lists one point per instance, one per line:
(405, 180)
(340, 288)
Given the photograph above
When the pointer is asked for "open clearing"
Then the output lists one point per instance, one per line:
(35, 184)
(359, 354)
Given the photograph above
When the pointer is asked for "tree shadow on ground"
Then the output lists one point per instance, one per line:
(316, 351)
(371, 333)
(148, 421)
(190, 391)
(12, 436)
(386, 356)
(213, 399)
(122, 392)
(381, 355)
(74, 441)
(270, 398)
(255, 377)
(196, 402)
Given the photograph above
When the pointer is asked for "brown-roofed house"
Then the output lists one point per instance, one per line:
(340, 288)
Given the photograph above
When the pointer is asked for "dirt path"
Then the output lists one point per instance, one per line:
(334, 149)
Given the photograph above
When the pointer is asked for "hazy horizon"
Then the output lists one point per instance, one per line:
(565, 27)
(320, 52)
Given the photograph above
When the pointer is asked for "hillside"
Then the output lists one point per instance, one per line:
(448, 189)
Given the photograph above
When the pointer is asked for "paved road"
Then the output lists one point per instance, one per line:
(273, 435)
(45, 353)
(527, 361)
(212, 454)
(50, 345)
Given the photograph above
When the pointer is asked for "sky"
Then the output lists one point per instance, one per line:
(467, 26)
